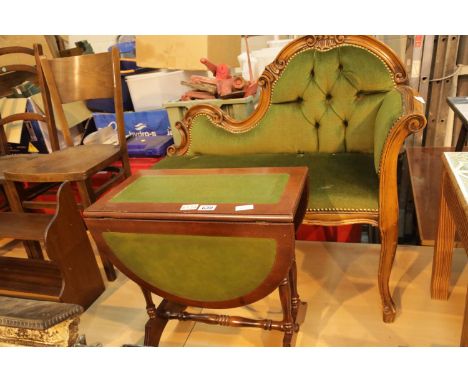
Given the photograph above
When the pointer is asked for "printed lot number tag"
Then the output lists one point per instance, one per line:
(188, 207)
(207, 207)
(244, 207)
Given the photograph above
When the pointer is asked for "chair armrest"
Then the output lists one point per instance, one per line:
(400, 115)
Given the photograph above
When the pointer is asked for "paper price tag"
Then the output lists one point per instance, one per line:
(207, 207)
(188, 207)
(244, 207)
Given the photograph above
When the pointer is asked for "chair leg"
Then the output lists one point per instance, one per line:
(389, 238)
(33, 249)
(86, 193)
(126, 165)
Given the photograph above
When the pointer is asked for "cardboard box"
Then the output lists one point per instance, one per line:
(184, 52)
(149, 91)
(49, 47)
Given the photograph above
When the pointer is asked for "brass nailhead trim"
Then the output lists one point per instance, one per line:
(342, 209)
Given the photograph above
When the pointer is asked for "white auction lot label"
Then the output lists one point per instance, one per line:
(188, 207)
(207, 207)
(244, 207)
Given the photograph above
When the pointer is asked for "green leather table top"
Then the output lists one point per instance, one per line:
(234, 194)
(204, 188)
(202, 268)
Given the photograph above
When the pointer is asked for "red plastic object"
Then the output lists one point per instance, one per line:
(344, 233)
(221, 71)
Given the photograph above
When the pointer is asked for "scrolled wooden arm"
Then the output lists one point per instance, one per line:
(411, 121)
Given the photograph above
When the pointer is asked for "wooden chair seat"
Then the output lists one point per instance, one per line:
(10, 162)
(73, 163)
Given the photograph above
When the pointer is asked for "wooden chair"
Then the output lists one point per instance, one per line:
(12, 75)
(67, 80)
(70, 79)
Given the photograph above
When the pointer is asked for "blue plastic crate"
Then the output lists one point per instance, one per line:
(141, 123)
(149, 146)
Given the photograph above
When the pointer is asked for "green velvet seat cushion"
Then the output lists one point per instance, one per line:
(201, 268)
(344, 181)
(205, 188)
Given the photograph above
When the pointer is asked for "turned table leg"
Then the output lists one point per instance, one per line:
(295, 301)
(286, 304)
(158, 318)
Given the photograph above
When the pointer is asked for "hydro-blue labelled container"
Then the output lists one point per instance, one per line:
(141, 123)
(149, 146)
(127, 49)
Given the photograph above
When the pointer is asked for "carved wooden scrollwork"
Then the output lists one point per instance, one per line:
(275, 69)
(183, 129)
(416, 123)
(324, 42)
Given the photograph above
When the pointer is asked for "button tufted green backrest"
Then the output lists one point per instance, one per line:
(338, 94)
(324, 101)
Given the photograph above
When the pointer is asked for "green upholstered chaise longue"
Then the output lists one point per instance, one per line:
(339, 105)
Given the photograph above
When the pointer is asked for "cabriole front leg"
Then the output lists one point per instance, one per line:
(411, 121)
(389, 238)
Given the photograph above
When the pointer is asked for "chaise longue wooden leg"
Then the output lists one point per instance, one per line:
(389, 238)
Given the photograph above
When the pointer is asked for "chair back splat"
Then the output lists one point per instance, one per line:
(79, 78)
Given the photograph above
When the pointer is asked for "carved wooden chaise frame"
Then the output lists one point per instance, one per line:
(412, 120)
